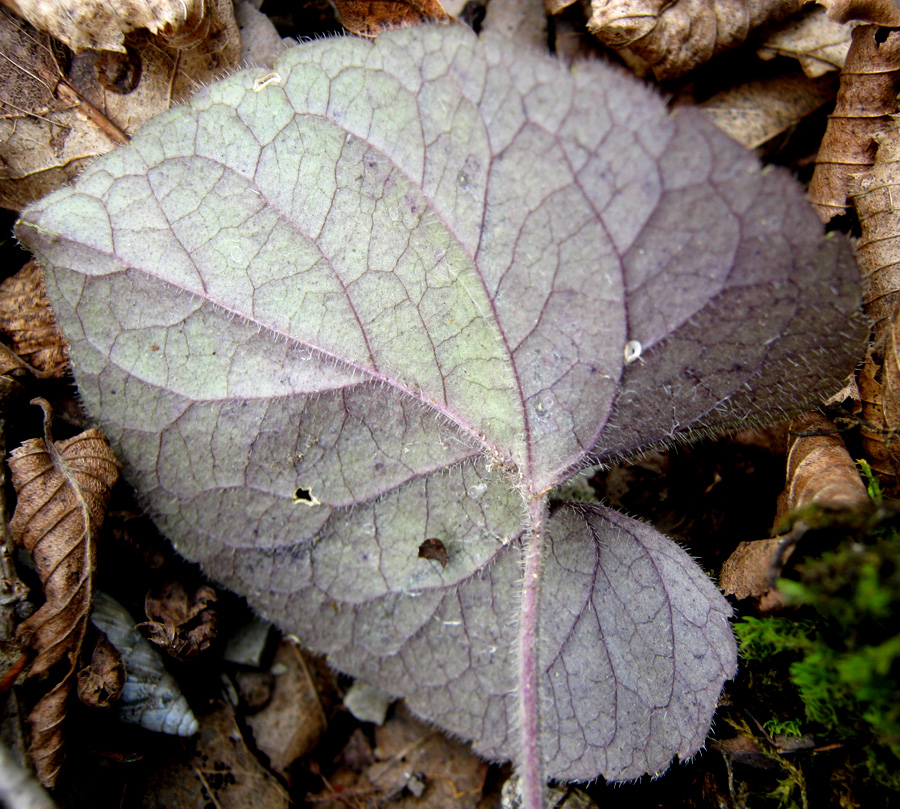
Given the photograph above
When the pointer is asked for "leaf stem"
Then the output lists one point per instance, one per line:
(530, 763)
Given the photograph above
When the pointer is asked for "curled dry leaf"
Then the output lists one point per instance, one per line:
(63, 488)
(54, 122)
(866, 99)
(879, 388)
(28, 323)
(876, 197)
(502, 271)
(184, 626)
(877, 12)
(102, 24)
(820, 471)
(819, 43)
(369, 18)
(675, 37)
(150, 696)
(100, 683)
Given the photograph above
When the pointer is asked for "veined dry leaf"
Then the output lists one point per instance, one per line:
(185, 627)
(369, 18)
(877, 12)
(102, 24)
(63, 488)
(874, 193)
(819, 470)
(501, 271)
(675, 37)
(755, 112)
(52, 125)
(873, 429)
(866, 99)
(100, 683)
(819, 43)
(27, 321)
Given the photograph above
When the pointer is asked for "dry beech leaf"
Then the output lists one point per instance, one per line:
(100, 683)
(501, 271)
(877, 12)
(820, 471)
(819, 43)
(52, 124)
(292, 722)
(102, 24)
(63, 488)
(28, 323)
(184, 626)
(758, 111)
(879, 388)
(866, 99)
(873, 194)
(675, 37)
(369, 18)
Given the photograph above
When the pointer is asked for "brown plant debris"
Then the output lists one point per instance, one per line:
(28, 322)
(57, 113)
(879, 389)
(368, 18)
(819, 471)
(817, 42)
(877, 12)
(874, 193)
(675, 37)
(866, 99)
(63, 488)
(100, 683)
(102, 24)
(184, 626)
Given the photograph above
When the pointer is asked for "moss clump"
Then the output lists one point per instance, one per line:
(845, 652)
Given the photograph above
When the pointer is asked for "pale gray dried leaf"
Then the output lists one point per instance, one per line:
(400, 290)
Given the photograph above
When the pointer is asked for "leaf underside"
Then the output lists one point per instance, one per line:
(385, 294)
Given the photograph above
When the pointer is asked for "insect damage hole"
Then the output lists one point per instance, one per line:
(306, 497)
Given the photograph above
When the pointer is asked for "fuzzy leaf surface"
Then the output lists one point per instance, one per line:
(398, 291)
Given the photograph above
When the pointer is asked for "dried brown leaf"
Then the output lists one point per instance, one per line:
(100, 683)
(63, 488)
(874, 194)
(28, 323)
(819, 43)
(102, 24)
(294, 719)
(53, 123)
(675, 37)
(369, 18)
(758, 111)
(873, 430)
(866, 99)
(184, 626)
(878, 12)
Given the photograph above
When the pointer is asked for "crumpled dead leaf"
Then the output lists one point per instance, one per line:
(877, 12)
(100, 683)
(369, 18)
(866, 98)
(102, 24)
(183, 626)
(819, 471)
(28, 322)
(293, 720)
(756, 112)
(675, 37)
(57, 114)
(811, 37)
(63, 488)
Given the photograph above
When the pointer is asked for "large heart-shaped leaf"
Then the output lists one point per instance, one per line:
(399, 291)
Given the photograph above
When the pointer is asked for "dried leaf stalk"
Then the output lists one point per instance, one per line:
(866, 99)
(63, 488)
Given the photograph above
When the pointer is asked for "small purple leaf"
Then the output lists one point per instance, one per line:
(404, 289)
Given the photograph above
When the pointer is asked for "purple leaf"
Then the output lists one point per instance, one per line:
(397, 292)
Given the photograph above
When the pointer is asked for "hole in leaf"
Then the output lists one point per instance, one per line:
(306, 497)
